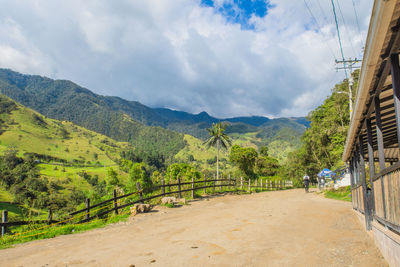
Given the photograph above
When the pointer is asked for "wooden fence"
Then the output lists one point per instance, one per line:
(357, 198)
(386, 199)
(114, 204)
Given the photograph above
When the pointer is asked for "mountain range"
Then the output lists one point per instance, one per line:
(152, 130)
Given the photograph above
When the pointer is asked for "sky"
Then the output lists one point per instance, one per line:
(272, 58)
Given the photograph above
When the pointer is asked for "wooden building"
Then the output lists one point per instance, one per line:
(373, 141)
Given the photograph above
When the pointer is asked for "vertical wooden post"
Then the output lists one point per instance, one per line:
(381, 152)
(249, 186)
(255, 183)
(163, 187)
(241, 182)
(220, 182)
(371, 165)
(395, 73)
(87, 209)
(193, 187)
(4, 220)
(139, 188)
(214, 184)
(364, 185)
(205, 184)
(261, 185)
(229, 187)
(50, 216)
(115, 202)
(179, 188)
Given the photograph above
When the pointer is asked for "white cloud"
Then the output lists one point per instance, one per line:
(182, 55)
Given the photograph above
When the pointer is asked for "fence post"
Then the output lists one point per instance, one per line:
(50, 216)
(261, 185)
(115, 201)
(179, 188)
(193, 187)
(255, 184)
(249, 186)
(205, 185)
(230, 186)
(139, 188)
(221, 182)
(4, 220)
(87, 209)
(214, 184)
(241, 182)
(163, 187)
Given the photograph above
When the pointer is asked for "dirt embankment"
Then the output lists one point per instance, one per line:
(283, 228)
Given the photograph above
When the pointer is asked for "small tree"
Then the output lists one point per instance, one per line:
(218, 138)
(264, 151)
(244, 158)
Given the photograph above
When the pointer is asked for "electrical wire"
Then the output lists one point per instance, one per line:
(355, 14)
(340, 41)
(345, 28)
(319, 28)
(322, 12)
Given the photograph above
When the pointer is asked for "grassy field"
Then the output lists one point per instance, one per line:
(28, 131)
(201, 154)
(5, 196)
(70, 149)
(343, 193)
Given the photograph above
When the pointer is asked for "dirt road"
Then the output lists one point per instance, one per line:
(282, 228)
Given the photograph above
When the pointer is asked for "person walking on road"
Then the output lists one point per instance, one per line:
(306, 180)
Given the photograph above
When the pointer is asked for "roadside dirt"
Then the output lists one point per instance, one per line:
(282, 228)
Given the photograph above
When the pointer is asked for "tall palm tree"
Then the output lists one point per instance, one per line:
(218, 138)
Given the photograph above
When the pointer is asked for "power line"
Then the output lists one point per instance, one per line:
(338, 32)
(345, 28)
(322, 11)
(355, 13)
(319, 28)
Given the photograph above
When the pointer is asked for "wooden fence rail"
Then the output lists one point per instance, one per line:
(103, 208)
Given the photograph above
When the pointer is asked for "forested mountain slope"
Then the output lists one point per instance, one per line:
(125, 120)
(64, 100)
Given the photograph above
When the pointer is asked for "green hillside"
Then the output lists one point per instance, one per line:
(53, 141)
(140, 125)
(111, 116)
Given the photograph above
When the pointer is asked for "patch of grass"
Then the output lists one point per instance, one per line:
(169, 205)
(5, 196)
(343, 193)
(23, 234)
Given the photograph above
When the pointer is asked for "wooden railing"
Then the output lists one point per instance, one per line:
(357, 198)
(114, 204)
(386, 206)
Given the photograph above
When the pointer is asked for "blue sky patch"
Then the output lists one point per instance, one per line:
(240, 11)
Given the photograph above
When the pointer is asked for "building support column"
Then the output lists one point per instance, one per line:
(357, 176)
(395, 73)
(352, 180)
(371, 164)
(381, 151)
(367, 214)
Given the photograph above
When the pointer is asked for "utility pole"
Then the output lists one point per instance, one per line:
(349, 65)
